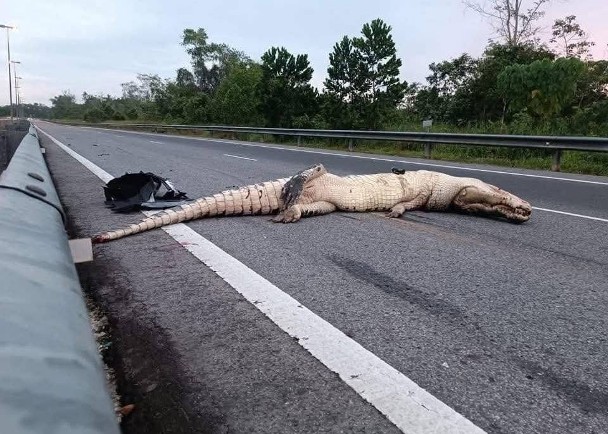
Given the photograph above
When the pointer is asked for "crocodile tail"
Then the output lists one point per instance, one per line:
(263, 198)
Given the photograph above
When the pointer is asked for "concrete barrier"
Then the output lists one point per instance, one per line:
(51, 375)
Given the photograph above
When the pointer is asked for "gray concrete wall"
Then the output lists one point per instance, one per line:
(11, 134)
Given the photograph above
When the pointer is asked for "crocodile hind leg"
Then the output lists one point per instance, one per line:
(296, 212)
(416, 203)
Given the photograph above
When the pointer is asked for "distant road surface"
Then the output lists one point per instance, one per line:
(340, 323)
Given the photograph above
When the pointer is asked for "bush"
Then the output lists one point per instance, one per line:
(94, 114)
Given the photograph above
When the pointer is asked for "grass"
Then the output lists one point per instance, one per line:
(590, 163)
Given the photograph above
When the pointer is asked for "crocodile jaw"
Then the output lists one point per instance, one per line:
(490, 200)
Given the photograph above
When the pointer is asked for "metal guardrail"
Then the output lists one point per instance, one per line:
(555, 143)
(51, 376)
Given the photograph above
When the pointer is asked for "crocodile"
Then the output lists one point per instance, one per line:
(314, 191)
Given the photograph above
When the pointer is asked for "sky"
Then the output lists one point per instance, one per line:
(93, 46)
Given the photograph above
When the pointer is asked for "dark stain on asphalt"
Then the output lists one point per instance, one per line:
(588, 399)
(428, 302)
(582, 395)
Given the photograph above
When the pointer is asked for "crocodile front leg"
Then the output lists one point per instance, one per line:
(296, 212)
(416, 203)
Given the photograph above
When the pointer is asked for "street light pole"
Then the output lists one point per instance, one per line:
(15, 62)
(8, 50)
(19, 98)
(8, 46)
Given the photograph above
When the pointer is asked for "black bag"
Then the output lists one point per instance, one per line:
(134, 191)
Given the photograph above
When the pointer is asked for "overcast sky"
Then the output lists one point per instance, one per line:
(95, 45)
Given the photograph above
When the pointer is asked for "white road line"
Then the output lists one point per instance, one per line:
(243, 158)
(599, 219)
(363, 157)
(154, 141)
(98, 171)
(403, 402)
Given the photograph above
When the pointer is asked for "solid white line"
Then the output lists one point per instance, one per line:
(403, 402)
(599, 219)
(98, 171)
(363, 157)
(243, 158)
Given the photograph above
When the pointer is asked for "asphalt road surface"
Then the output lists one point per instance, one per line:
(505, 324)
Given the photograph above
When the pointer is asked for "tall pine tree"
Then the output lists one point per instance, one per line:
(363, 78)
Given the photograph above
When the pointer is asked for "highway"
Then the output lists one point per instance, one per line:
(503, 324)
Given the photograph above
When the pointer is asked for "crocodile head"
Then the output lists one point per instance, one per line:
(487, 199)
(292, 190)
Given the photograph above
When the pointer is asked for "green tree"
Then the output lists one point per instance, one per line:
(448, 94)
(237, 100)
(209, 60)
(139, 96)
(592, 86)
(344, 96)
(487, 101)
(380, 67)
(285, 92)
(363, 86)
(543, 87)
(64, 106)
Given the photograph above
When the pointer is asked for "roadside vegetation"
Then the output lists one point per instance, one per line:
(521, 84)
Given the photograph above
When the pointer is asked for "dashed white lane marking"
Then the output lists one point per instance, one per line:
(154, 141)
(242, 158)
(599, 219)
(364, 157)
(411, 408)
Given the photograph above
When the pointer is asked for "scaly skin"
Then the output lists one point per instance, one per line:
(314, 191)
(264, 198)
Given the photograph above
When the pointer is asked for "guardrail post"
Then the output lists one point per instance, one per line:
(428, 148)
(299, 140)
(351, 145)
(557, 159)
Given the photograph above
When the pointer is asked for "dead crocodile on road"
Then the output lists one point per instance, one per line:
(314, 191)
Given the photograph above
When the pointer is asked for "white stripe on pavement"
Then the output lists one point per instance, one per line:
(599, 219)
(243, 158)
(98, 171)
(403, 402)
